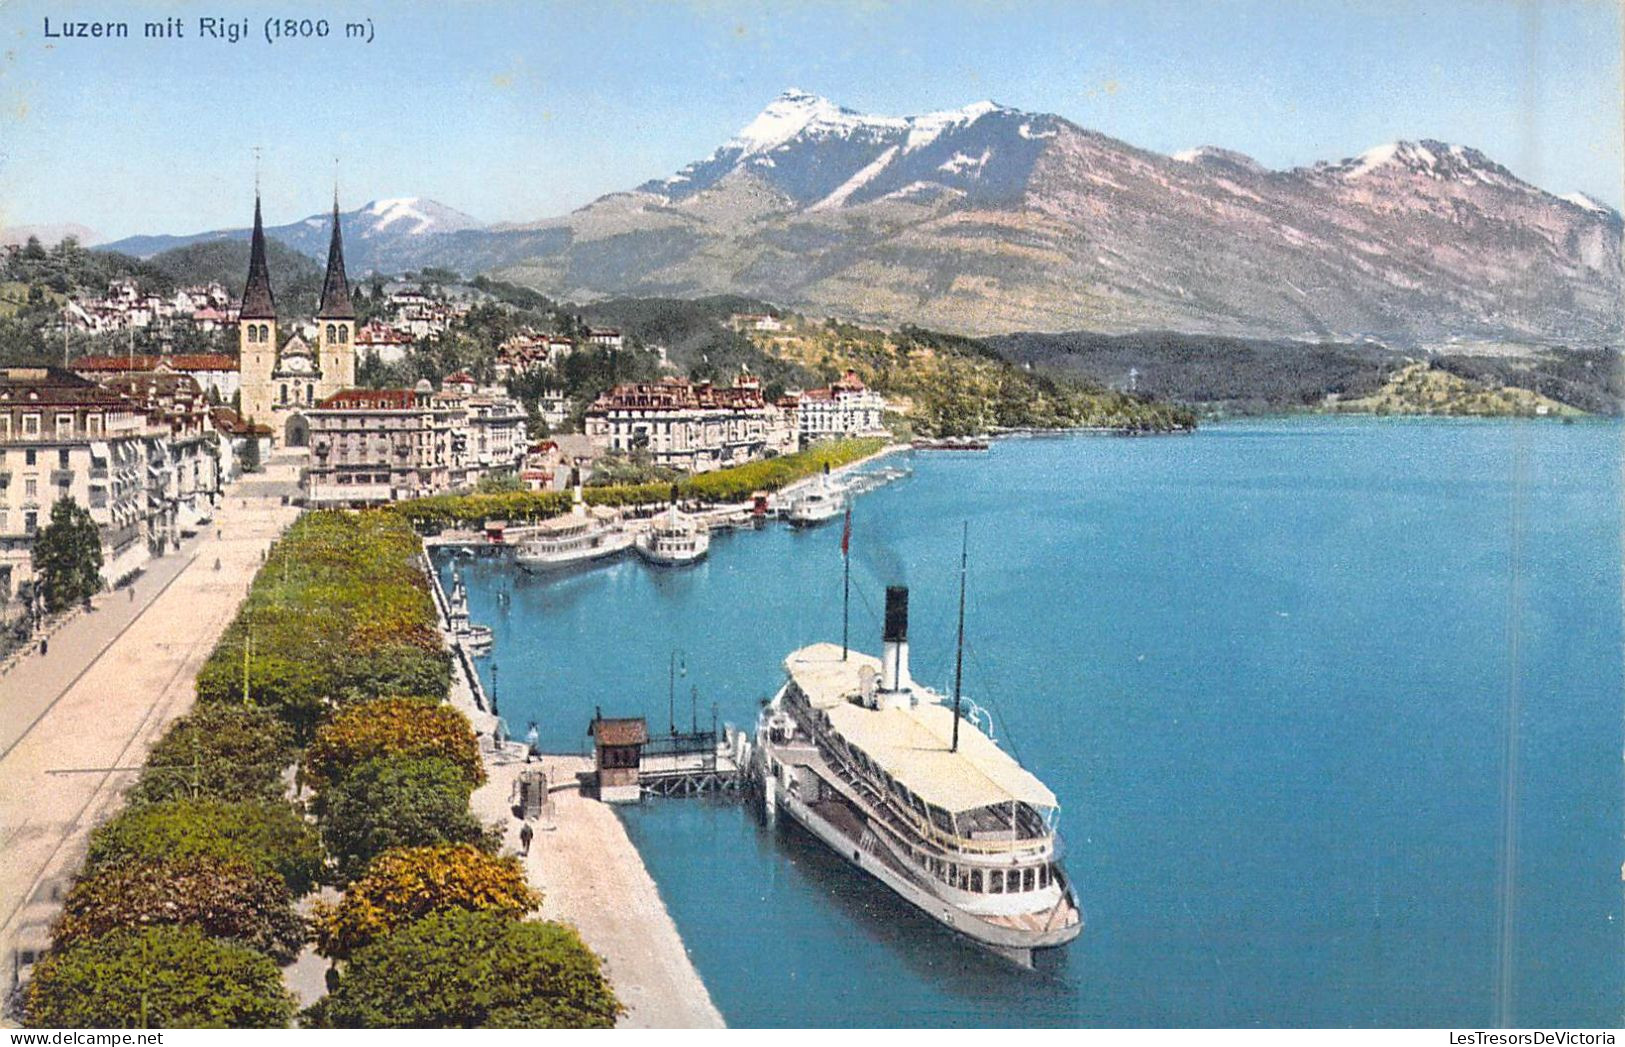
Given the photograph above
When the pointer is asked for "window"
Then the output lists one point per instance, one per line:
(93, 424)
(284, 393)
(30, 425)
(62, 458)
(30, 522)
(64, 425)
(31, 487)
(976, 881)
(332, 335)
(30, 457)
(1027, 876)
(344, 334)
(1043, 877)
(995, 881)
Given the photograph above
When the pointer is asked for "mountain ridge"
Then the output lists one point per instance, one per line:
(988, 219)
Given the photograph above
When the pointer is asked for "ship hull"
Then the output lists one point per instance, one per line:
(559, 564)
(842, 828)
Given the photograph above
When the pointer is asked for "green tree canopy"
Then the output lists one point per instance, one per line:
(411, 883)
(227, 898)
(394, 801)
(220, 752)
(68, 555)
(471, 970)
(267, 834)
(157, 977)
(392, 727)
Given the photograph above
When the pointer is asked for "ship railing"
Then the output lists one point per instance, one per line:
(883, 802)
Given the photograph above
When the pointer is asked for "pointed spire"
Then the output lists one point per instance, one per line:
(258, 302)
(336, 304)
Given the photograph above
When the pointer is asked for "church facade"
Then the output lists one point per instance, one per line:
(282, 379)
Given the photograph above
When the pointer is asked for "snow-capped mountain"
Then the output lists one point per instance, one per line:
(989, 219)
(375, 234)
(818, 155)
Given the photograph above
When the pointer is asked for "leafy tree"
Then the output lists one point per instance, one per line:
(157, 977)
(226, 898)
(220, 752)
(68, 555)
(409, 884)
(395, 801)
(268, 835)
(251, 449)
(471, 970)
(392, 727)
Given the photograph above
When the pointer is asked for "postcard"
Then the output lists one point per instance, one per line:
(833, 514)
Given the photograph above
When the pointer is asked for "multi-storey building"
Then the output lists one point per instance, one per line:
(381, 445)
(846, 408)
(690, 427)
(188, 461)
(63, 436)
(494, 423)
(214, 372)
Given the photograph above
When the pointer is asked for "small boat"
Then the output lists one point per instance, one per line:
(818, 504)
(674, 539)
(952, 443)
(572, 541)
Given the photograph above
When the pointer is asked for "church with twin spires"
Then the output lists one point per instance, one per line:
(282, 379)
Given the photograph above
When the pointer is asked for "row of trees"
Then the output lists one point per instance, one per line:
(734, 484)
(185, 908)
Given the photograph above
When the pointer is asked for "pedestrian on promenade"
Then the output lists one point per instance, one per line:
(526, 834)
(44, 646)
(132, 593)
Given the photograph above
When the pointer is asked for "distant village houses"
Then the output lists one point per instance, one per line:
(746, 323)
(125, 307)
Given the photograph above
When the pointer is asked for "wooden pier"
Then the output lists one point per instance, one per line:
(681, 763)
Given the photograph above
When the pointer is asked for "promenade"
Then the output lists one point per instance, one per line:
(592, 878)
(72, 719)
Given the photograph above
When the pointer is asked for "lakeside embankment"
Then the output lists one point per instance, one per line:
(192, 895)
(589, 872)
(732, 486)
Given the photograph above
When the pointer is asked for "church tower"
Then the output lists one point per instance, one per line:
(256, 330)
(335, 320)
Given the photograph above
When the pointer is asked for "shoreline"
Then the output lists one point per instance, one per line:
(587, 869)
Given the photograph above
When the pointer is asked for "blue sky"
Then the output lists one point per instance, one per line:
(514, 112)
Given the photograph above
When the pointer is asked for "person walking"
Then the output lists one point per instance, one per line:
(526, 834)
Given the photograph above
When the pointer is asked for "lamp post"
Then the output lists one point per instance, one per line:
(493, 688)
(671, 686)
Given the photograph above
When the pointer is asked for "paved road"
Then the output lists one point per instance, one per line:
(110, 684)
(592, 877)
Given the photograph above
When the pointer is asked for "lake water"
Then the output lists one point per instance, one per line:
(1267, 668)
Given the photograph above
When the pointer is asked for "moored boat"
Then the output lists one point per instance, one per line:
(573, 541)
(673, 539)
(818, 503)
(900, 785)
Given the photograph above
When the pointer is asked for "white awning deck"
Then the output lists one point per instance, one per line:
(913, 744)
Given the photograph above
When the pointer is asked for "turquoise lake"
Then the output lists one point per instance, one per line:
(1268, 669)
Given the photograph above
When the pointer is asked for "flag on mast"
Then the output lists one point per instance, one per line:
(846, 534)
